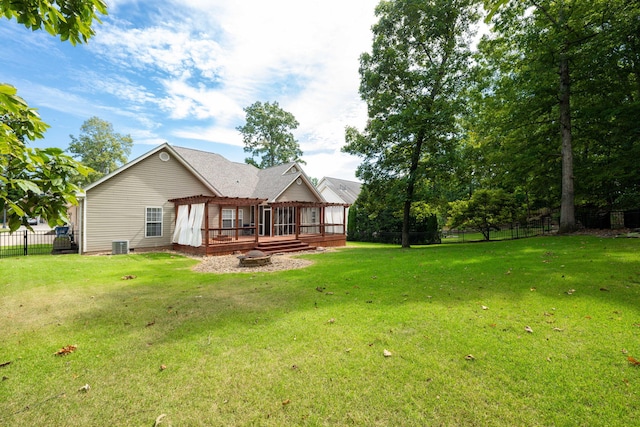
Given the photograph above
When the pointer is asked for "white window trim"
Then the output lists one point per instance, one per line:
(146, 221)
(234, 223)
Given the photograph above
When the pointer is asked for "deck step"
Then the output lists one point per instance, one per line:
(283, 246)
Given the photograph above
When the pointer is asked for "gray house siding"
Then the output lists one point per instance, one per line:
(116, 208)
(297, 192)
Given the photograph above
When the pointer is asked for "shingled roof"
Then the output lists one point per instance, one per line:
(233, 179)
(227, 178)
(348, 191)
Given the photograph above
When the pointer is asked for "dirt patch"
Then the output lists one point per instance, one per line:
(231, 263)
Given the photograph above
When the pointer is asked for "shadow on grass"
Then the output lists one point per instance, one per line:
(523, 275)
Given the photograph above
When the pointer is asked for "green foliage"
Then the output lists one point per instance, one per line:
(515, 128)
(33, 182)
(377, 217)
(100, 148)
(37, 182)
(69, 19)
(411, 82)
(267, 135)
(484, 211)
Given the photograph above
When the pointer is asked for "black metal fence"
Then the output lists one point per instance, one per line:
(505, 232)
(38, 242)
(608, 219)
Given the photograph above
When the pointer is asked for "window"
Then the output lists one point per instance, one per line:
(229, 218)
(153, 222)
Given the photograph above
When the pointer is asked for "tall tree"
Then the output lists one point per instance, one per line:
(100, 147)
(37, 182)
(267, 135)
(559, 93)
(411, 82)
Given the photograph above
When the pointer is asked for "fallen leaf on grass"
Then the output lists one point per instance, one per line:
(484, 307)
(633, 361)
(151, 323)
(85, 388)
(159, 420)
(163, 367)
(332, 320)
(528, 329)
(470, 357)
(128, 277)
(286, 402)
(570, 291)
(604, 289)
(386, 353)
(66, 350)
(2, 365)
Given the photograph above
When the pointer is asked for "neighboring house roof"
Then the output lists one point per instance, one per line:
(348, 191)
(226, 178)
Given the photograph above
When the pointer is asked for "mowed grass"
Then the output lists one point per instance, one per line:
(306, 347)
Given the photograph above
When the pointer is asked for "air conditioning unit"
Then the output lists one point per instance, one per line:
(119, 247)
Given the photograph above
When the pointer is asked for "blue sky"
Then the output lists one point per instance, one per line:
(182, 71)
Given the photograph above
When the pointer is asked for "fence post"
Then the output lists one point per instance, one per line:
(26, 243)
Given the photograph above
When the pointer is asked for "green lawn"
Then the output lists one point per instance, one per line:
(306, 347)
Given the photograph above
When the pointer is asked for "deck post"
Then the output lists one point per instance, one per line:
(237, 225)
(298, 218)
(344, 220)
(206, 227)
(256, 222)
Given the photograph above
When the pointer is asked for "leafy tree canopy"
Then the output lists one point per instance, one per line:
(484, 210)
(412, 82)
(69, 19)
(100, 147)
(33, 182)
(267, 135)
(39, 182)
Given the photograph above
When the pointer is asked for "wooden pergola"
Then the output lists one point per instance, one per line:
(225, 240)
(234, 202)
(322, 206)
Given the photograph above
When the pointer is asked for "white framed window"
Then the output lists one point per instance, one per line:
(153, 222)
(229, 218)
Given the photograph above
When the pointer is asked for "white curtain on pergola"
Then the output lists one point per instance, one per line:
(188, 225)
(195, 224)
(333, 215)
(182, 231)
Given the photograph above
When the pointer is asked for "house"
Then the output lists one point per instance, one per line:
(339, 191)
(199, 202)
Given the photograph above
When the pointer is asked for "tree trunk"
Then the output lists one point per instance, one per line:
(567, 203)
(411, 184)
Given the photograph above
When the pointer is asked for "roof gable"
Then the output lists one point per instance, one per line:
(158, 149)
(226, 178)
(348, 191)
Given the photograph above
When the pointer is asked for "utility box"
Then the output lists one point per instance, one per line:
(119, 247)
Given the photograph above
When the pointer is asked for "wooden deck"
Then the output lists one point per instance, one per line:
(224, 245)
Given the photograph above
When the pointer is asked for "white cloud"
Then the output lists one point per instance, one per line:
(216, 57)
(219, 135)
(335, 165)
